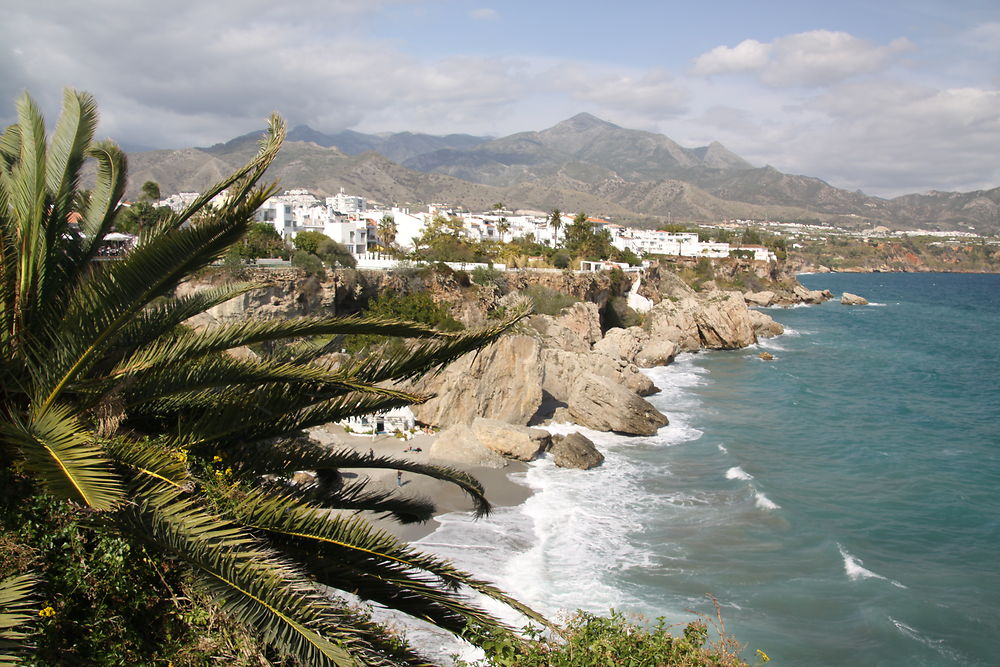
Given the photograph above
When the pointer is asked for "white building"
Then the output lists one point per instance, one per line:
(346, 204)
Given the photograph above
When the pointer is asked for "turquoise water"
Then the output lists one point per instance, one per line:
(842, 502)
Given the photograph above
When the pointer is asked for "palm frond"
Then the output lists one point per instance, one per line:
(427, 357)
(109, 187)
(189, 345)
(150, 460)
(282, 458)
(16, 602)
(353, 541)
(248, 581)
(243, 178)
(59, 450)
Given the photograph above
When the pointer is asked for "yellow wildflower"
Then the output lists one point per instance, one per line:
(216, 459)
(763, 656)
(181, 455)
(46, 612)
(229, 471)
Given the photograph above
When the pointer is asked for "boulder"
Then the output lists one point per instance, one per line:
(459, 444)
(604, 405)
(575, 451)
(849, 299)
(716, 320)
(764, 325)
(502, 381)
(766, 356)
(622, 343)
(811, 296)
(562, 370)
(763, 299)
(657, 353)
(584, 319)
(511, 440)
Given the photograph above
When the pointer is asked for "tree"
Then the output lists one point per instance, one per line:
(555, 221)
(261, 240)
(139, 216)
(503, 226)
(387, 231)
(325, 249)
(150, 191)
(112, 410)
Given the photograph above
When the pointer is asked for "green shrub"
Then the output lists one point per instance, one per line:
(590, 640)
(482, 275)
(547, 301)
(414, 307)
(308, 262)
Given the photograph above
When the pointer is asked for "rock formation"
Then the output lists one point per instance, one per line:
(511, 440)
(575, 451)
(849, 299)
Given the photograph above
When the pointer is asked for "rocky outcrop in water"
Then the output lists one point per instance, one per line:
(575, 451)
(849, 299)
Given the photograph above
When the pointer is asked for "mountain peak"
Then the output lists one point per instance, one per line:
(585, 121)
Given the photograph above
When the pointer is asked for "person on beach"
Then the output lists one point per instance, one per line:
(399, 478)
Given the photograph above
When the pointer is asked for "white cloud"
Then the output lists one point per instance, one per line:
(815, 58)
(653, 93)
(484, 14)
(747, 56)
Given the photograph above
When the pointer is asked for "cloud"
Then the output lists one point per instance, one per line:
(815, 58)
(204, 72)
(484, 14)
(653, 93)
(985, 37)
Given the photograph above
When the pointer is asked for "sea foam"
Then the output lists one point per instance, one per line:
(854, 567)
(737, 472)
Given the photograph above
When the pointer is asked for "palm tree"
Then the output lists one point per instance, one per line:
(503, 226)
(555, 221)
(109, 402)
(387, 231)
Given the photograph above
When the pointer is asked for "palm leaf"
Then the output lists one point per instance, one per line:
(354, 543)
(16, 602)
(248, 581)
(56, 447)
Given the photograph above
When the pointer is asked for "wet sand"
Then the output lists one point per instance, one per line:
(501, 491)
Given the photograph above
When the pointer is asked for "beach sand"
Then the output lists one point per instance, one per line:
(501, 491)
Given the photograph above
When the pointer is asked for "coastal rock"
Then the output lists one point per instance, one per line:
(562, 371)
(511, 440)
(657, 353)
(716, 320)
(502, 382)
(764, 325)
(575, 451)
(766, 356)
(584, 319)
(811, 296)
(849, 299)
(763, 299)
(604, 405)
(459, 444)
(622, 343)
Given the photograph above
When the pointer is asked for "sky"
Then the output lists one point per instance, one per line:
(890, 98)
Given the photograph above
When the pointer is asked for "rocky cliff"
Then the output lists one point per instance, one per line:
(568, 366)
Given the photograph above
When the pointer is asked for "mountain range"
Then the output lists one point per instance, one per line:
(582, 163)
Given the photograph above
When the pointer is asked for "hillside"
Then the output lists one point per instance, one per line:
(583, 163)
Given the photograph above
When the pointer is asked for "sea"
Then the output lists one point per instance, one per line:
(841, 503)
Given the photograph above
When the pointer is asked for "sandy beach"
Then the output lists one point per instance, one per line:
(501, 491)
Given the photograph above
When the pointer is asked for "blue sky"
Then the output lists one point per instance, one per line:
(889, 97)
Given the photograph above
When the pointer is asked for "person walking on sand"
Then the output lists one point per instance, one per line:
(399, 478)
